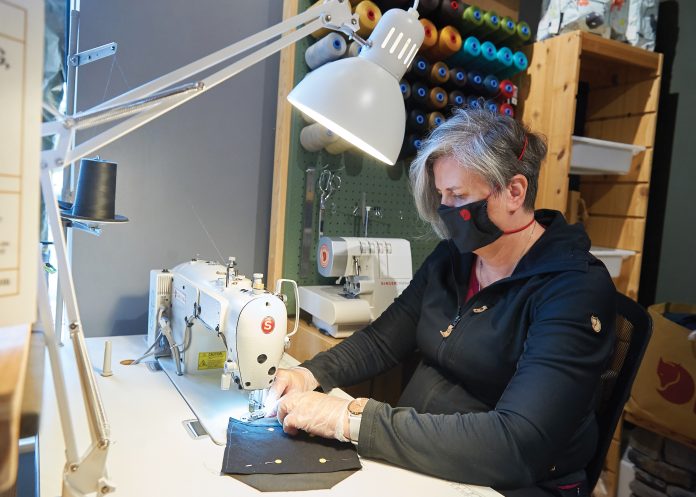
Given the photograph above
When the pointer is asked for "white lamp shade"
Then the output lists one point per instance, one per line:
(359, 101)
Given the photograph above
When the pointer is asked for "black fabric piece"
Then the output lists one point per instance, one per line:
(254, 448)
(294, 482)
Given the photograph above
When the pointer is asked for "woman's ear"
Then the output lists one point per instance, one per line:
(516, 192)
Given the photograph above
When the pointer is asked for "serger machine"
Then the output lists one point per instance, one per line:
(212, 318)
(375, 271)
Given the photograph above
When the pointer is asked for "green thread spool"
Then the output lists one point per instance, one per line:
(491, 24)
(508, 28)
(472, 19)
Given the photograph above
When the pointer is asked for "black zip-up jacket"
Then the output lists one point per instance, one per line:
(507, 400)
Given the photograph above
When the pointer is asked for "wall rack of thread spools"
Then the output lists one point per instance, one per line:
(470, 57)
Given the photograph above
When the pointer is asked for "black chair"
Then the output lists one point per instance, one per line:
(633, 330)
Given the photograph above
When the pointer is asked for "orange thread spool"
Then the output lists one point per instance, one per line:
(430, 39)
(369, 17)
(449, 41)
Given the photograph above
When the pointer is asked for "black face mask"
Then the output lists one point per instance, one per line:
(469, 225)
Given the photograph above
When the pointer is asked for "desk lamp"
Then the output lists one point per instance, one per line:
(357, 98)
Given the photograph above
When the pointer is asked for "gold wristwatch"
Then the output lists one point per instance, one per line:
(355, 410)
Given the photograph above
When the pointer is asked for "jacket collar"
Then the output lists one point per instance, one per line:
(562, 247)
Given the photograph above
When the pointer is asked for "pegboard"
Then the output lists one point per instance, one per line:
(386, 187)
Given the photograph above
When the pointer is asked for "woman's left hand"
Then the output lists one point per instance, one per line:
(316, 413)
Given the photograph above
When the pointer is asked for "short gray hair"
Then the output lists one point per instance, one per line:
(483, 142)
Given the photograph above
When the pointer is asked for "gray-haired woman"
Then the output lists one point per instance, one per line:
(513, 318)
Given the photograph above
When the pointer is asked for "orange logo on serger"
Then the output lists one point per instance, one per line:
(676, 384)
(267, 324)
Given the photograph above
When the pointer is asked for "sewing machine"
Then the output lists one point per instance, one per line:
(209, 317)
(375, 271)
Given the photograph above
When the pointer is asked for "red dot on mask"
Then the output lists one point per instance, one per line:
(466, 215)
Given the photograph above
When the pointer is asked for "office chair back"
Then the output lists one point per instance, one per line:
(633, 330)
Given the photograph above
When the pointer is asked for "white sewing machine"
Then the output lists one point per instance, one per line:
(376, 271)
(212, 318)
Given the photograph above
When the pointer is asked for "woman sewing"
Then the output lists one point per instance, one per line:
(513, 318)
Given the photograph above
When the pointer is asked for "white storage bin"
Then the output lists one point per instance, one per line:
(612, 258)
(593, 156)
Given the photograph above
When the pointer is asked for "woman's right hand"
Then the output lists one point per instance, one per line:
(293, 380)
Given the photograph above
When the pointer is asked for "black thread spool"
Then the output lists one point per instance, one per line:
(394, 4)
(473, 102)
(450, 13)
(457, 78)
(474, 82)
(491, 85)
(420, 68)
(425, 7)
(95, 198)
(405, 89)
(417, 121)
(411, 145)
(455, 98)
(419, 94)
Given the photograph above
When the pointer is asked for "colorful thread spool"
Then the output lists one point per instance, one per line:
(439, 73)
(507, 29)
(329, 48)
(449, 41)
(486, 57)
(472, 19)
(416, 121)
(489, 26)
(507, 110)
(435, 119)
(519, 64)
(503, 60)
(507, 88)
(437, 99)
(369, 15)
(315, 137)
(430, 39)
(457, 77)
(522, 35)
(469, 51)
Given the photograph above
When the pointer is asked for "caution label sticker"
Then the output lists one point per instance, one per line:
(211, 360)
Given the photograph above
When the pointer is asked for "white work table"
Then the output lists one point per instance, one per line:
(153, 454)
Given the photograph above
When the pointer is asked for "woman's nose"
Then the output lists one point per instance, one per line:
(448, 200)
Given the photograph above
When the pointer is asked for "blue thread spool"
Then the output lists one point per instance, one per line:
(503, 60)
(471, 49)
(519, 64)
(487, 56)
(329, 48)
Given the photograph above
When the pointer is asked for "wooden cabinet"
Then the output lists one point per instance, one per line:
(616, 87)
(309, 341)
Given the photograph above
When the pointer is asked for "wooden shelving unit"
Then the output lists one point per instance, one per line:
(623, 88)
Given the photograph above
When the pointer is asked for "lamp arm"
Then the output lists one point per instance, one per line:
(334, 14)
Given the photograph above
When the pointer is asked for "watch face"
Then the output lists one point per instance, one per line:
(356, 406)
